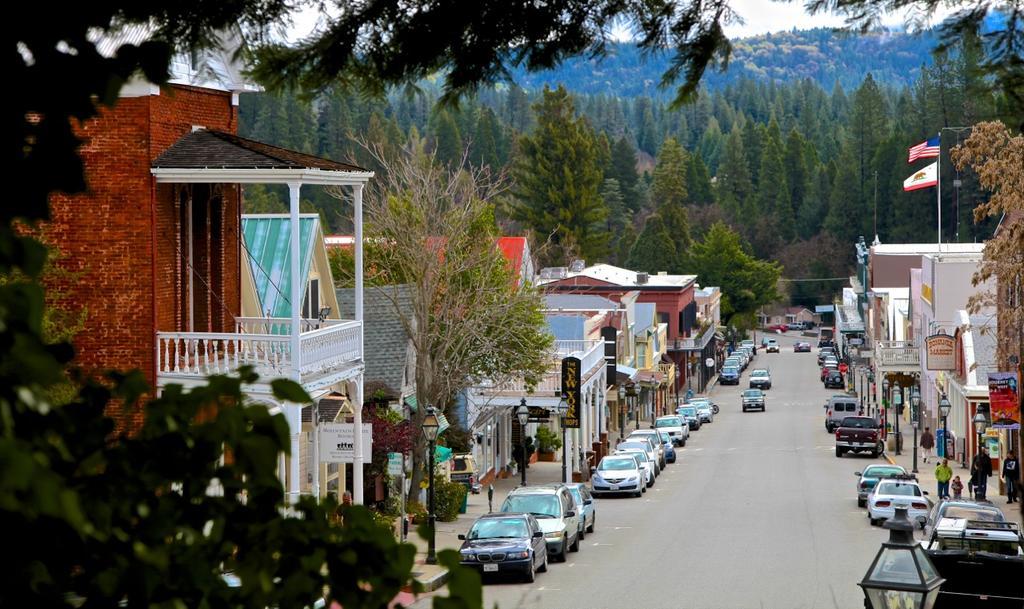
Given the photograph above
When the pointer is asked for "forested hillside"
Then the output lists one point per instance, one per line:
(796, 169)
(822, 55)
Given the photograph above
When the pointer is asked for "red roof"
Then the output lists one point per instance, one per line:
(513, 248)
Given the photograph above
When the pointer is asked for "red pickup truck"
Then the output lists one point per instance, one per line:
(856, 434)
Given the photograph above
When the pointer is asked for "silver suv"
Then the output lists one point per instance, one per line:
(555, 510)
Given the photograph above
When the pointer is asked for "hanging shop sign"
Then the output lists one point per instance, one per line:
(941, 352)
(571, 390)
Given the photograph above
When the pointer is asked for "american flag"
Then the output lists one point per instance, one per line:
(924, 150)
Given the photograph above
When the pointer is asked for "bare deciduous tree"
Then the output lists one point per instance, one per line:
(470, 318)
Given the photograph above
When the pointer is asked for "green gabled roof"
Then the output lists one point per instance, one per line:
(269, 252)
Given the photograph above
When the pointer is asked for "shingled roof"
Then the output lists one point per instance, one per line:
(386, 343)
(208, 149)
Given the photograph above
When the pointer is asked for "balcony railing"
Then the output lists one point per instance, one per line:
(590, 352)
(264, 344)
(696, 343)
(897, 353)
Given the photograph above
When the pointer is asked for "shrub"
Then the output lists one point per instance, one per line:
(448, 498)
(386, 521)
(547, 440)
(417, 511)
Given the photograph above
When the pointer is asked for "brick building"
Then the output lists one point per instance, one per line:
(155, 252)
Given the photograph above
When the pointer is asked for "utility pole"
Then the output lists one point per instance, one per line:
(876, 203)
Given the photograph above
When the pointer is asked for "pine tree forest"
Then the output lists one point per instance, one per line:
(798, 171)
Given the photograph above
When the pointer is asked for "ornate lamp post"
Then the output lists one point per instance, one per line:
(523, 415)
(886, 400)
(915, 403)
(561, 410)
(897, 402)
(944, 408)
(980, 425)
(901, 575)
(431, 427)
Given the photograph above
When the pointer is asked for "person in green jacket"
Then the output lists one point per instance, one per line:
(943, 473)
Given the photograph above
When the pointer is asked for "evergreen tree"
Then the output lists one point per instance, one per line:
(447, 139)
(517, 110)
(654, 250)
(796, 173)
(746, 282)
(698, 183)
(485, 146)
(773, 194)
(669, 188)
(734, 176)
(558, 179)
(623, 170)
(710, 147)
(869, 125)
(624, 244)
(843, 200)
(752, 145)
(618, 214)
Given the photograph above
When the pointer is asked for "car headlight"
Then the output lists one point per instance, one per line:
(553, 535)
(468, 556)
(514, 555)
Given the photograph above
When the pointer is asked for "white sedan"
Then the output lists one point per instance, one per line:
(891, 493)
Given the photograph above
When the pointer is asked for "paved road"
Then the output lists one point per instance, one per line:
(757, 513)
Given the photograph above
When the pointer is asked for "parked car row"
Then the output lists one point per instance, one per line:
(546, 522)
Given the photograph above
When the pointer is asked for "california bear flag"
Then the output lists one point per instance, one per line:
(926, 177)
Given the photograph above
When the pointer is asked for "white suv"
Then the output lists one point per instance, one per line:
(555, 511)
(773, 346)
(676, 428)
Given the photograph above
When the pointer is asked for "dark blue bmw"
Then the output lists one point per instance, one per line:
(503, 543)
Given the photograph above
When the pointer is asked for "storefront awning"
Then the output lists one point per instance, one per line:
(624, 373)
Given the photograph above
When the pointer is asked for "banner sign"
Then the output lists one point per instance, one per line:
(941, 352)
(538, 414)
(571, 390)
(1004, 400)
(337, 443)
(610, 337)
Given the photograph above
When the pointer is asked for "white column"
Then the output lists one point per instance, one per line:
(357, 459)
(294, 411)
(357, 462)
(315, 460)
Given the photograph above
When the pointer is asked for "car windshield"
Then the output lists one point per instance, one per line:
(669, 422)
(617, 464)
(688, 411)
(637, 444)
(460, 464)
(538, 505)
(882, 471)
(752, 393)
(759, 373)
(665, 438)
(730, 370)
(898, 488)
(956, 511)
(576, 494)
(498, 528)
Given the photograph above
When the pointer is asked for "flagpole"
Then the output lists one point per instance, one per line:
(938, 191)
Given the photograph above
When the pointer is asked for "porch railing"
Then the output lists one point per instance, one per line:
(590, 352)
(264, 344)
(897, 353)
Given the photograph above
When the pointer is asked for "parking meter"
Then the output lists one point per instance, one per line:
(490, 497)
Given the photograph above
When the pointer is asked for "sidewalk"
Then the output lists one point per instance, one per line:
(926, 475)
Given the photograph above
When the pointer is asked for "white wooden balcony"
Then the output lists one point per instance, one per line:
(329, 351)
(898, 355)
(590, 353)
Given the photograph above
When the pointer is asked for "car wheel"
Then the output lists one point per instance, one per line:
(839, 452)
(639, 493)
(874, 454)
(593, 523)
(562, 554)
(582, 534)
(531, 574)
(861, 502)
(575, 547)
(684, 442)
(543, 568)
(873, 521)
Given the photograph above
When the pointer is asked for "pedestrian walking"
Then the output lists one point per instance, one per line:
(1011, 476)
(927, 443)
(981, 469)
(958, 487)
(943, 473)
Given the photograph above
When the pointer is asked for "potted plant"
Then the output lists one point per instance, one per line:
(548, 444)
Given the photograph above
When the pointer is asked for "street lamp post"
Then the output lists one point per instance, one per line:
(886, 401)
(431, 427)
(944, 407)
(523, 415)
(897, 402)
(902, 575)
(915, 402)
(562, 409)
(980, 425)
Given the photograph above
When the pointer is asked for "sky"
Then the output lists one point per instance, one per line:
(760, 17)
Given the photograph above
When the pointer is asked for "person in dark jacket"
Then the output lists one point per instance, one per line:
(1011, 476)
(981, 469)
(927, 442)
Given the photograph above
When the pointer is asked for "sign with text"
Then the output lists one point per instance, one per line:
(1004, 400)
(337, 442)
(571, 390)
(396, 464)
(941, 352)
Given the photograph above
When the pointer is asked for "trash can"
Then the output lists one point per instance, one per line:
(465, 503)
